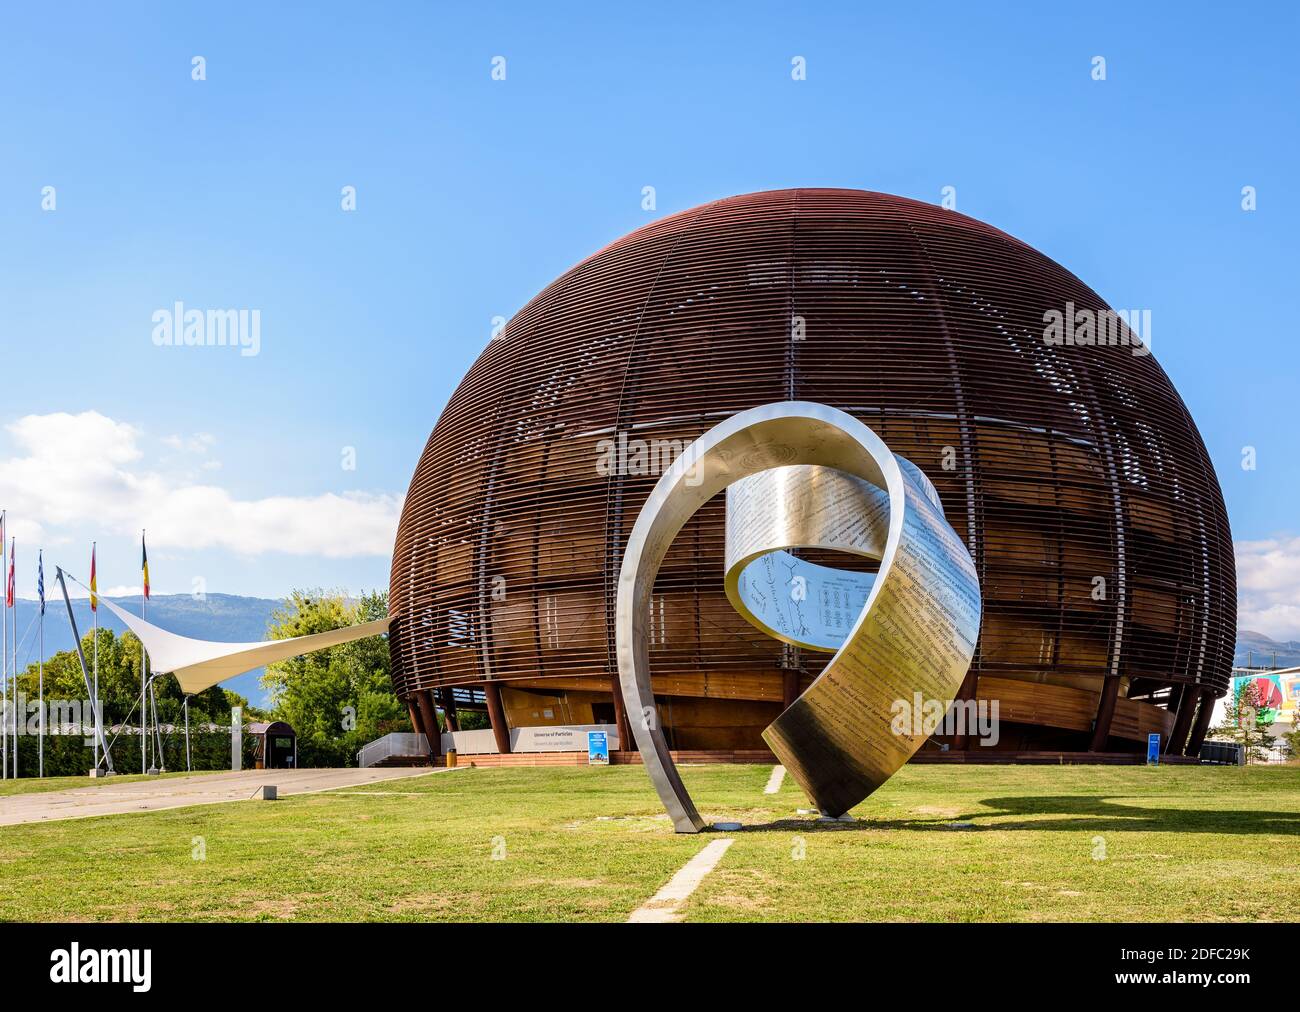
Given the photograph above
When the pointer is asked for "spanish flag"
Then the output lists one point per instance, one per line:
(94, 601)
(144, 565)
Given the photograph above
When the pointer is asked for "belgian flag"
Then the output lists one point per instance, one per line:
(144, 565)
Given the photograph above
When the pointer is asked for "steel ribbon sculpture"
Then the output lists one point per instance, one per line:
(802, 475)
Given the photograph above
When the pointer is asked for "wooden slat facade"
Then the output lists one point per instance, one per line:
(1073, 472)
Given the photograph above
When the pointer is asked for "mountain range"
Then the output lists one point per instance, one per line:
(226, 617)
(1257, 650)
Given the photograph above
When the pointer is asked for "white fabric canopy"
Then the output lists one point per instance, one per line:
(200, 664)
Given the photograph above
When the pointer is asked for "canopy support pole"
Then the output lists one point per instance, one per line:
(155, 737)
(85, 675)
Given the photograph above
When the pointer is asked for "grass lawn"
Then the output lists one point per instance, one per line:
(1045, 843)
(37, 785)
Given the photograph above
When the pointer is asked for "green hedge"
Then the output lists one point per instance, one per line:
(328, 752)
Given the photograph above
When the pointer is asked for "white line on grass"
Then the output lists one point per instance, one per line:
(664, 906)
(775, 780)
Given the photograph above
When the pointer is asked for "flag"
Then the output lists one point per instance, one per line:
(144, 565)
(9, 587)
(40, 579)
(94, 601)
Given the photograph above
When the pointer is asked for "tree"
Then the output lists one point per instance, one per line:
(1292, 738)
(341, 697)
(1246, 721)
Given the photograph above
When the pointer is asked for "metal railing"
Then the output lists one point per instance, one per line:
(399, 743)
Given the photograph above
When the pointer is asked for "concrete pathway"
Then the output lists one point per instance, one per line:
(108, 798)
(665, 906)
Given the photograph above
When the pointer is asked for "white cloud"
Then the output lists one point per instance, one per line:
(77, 592)
(199, 442)
(88, 469)
(195, 449)
(119, 590)
(1268, 586)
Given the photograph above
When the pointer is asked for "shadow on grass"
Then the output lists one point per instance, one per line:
(1069, 813)
(1101, 812)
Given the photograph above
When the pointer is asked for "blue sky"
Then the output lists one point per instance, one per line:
(472, 194)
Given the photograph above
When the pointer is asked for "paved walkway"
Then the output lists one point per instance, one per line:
(665, 906)
(108, 798)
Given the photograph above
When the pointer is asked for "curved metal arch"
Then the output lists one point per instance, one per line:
(915, 633)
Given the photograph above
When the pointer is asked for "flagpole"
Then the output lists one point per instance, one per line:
(4, 656)
(4, 649)
(13, 643)
(95, 701)
(144, 664)
(144, 713)
(40, 697)
(94, 618)
(40, 678)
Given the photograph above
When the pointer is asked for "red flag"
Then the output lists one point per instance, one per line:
(9, 587)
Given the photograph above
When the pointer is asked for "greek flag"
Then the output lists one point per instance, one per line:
(40, 579)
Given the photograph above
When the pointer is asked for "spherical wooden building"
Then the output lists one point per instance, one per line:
(1070, 467)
